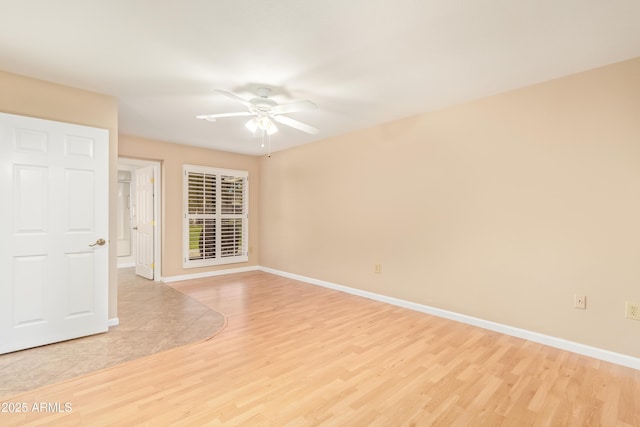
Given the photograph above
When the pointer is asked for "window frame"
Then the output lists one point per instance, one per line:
(218, 216)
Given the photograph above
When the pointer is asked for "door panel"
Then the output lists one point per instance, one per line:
(29, 298)
(79, 189)
(80, 297)
(53, 284)
(30, 196)
(144, 183)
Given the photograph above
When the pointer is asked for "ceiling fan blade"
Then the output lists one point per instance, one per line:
(233, 96)
(292, 107)
(213, 117)
(296, 124)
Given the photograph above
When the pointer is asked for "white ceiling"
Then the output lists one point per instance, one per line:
(363, 62)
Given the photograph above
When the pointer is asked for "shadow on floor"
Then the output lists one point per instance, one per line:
(153, 318)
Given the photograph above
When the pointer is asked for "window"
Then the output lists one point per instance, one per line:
(215, 216)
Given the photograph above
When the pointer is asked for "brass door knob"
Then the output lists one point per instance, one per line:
(99, 242)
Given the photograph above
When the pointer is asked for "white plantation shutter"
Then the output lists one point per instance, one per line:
(215, 216)
(232, 224)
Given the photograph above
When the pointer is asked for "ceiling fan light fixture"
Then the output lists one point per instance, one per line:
(272, 129)
(252, 125)
(263, 123)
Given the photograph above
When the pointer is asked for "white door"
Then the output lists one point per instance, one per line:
(54, 230)
(145, 224)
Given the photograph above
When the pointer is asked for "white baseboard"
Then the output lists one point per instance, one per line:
(574, 347)
(113, 322)
(127, 265)
(170, 279)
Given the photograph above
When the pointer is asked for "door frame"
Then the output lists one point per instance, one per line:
(157, 208)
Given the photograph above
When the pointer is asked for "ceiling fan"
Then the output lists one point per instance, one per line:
(265, 111)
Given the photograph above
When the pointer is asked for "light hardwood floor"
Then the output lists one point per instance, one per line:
(294, 354)
(153, 317)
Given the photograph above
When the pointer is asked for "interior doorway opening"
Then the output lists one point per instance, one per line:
(139, 237)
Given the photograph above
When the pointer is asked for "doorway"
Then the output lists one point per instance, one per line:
(139, 237)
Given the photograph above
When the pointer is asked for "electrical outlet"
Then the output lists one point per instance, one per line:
(580, 301)
(632, 310)
(377, 268)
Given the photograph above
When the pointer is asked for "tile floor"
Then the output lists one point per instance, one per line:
(153, 318)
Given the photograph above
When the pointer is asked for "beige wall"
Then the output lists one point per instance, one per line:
(36, 98)
(173, 157)
(502, 208)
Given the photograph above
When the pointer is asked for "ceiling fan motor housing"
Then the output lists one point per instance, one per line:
(262, 105)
